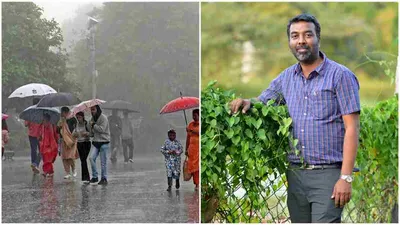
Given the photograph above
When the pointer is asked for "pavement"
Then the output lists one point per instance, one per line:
(136, 193)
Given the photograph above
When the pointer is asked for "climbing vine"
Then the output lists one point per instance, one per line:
(240, 150)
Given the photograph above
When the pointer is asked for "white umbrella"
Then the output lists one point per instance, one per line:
(33, 89)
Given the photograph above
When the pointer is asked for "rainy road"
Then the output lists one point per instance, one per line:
(135, 193)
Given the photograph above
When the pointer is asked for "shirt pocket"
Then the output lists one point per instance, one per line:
(323, 102)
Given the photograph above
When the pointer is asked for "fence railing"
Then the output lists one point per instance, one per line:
(237, 207)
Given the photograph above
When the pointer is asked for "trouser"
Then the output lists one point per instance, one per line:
(196, 178)
(48, 160)
(35, 155)
(127, 143)
(69, 164)
(309, 195)
(115, 143)
(84, 149)
(103, 159)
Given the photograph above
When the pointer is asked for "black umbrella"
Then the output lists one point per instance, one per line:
(120, 105)
(58, 99)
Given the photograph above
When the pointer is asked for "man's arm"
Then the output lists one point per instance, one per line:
(349, 103)
(274, 91)
(100, 125)
(350, 146)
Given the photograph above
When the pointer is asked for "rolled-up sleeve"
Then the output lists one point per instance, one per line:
(274, 91)
(347, 92)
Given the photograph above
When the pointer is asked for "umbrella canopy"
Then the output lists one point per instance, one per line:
(180, 104)
(120, 105)
(58, 99)
(33, 89)
(35, 114)
(4, 116)
(85, 105)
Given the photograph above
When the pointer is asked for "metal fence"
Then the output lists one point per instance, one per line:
(238, 207)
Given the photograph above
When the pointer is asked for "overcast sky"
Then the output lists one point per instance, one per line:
(60, 10)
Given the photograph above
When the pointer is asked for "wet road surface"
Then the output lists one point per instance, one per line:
(135, 193)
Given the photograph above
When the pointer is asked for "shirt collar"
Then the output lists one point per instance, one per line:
(319, 69)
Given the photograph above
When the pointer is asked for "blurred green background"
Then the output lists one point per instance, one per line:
(244, 45)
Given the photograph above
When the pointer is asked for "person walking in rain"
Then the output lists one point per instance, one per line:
(172, 150)
(100, 131)
(127, 138)
(48, 137)
(192, 148)
(69, 149)
(5, 136)
(82, 133)
(115, 124)
(33, 133)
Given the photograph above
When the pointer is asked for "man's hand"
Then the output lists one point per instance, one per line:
(341, 193)
(239, 102)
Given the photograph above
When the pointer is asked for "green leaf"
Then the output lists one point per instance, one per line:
(236, 140)
(249, 133)
(231, 121)
(211, 83)
(261, 134)
(229, 133)
(258, 123)
(213, 123)
(265, 111)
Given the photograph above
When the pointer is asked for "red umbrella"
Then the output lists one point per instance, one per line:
(4, 116)
(179, 104)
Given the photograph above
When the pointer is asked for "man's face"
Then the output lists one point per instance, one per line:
(93, 110)
(64, 114)
(303, 42)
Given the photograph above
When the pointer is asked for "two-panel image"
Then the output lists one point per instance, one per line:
(199, 112)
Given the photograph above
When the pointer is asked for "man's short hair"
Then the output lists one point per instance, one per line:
(306, 18)
(64, 109)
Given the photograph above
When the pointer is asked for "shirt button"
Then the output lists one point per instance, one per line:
(303, 146)
(302, 130)
(305, 97)
(305, 114)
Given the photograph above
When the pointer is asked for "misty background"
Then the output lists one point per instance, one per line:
(146, 53)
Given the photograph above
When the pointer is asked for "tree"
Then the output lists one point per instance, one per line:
(31, 48)
(146, 53)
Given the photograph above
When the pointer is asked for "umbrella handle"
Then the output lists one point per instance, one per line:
(184, 113)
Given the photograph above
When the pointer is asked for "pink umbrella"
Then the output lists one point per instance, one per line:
(4, 116)
(85, 106)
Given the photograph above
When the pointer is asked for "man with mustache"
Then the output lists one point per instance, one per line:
(323, 101)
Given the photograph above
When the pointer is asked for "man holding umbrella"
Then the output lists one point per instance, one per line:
(115, 123)
(127, 138)
(100, 131)
(33, 133)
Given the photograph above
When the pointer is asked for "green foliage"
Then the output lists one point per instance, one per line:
(31, 49)
(377, 159)
(245, 151)
(247, 147)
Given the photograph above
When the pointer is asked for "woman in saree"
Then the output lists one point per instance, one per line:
(192, 148)
(48, 137)
(69, 143)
